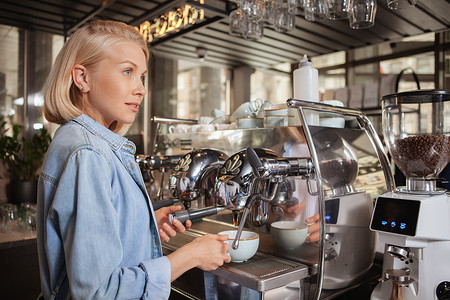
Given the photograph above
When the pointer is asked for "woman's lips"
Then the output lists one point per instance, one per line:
(133, 106)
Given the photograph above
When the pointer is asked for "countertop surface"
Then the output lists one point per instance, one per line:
(11, 239)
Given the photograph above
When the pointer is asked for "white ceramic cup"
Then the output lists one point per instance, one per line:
(248, 245)
(171, 129)
(289, 234)
(181, 128)
(250, 122)
(241, 112)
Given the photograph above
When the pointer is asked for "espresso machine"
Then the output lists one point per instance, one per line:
(414, 220)
(256, 189)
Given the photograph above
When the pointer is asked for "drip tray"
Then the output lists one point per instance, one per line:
(263, 272)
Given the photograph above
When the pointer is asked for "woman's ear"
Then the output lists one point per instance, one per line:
(79, 77)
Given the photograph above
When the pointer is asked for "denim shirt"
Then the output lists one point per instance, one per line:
(96, 230)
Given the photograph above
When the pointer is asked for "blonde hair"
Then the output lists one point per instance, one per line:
(84, 47)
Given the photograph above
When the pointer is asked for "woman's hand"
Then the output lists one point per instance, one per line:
(206, 252)
(167, 230)
(211, 251)
(314, 228)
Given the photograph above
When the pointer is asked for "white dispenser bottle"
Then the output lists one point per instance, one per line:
(306, 87)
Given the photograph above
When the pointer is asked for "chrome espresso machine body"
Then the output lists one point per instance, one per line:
(290, 168)
(193, 177)
(414, 221)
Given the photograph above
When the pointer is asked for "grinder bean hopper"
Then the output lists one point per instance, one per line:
(414, 220)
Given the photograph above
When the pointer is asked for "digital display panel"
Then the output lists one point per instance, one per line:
(331, 211)
(396, 216)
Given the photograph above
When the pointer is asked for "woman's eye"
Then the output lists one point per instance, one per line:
(127, 72)
(143, 79)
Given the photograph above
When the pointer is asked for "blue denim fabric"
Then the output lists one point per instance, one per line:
(95, 221)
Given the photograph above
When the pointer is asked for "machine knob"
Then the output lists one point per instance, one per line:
(443, 290)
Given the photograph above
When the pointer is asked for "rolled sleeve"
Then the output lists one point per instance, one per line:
(158, 283)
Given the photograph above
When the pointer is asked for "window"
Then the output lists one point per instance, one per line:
(42, 48)
(200, 90)
(274, 87)
(422, 64)
(11, 77)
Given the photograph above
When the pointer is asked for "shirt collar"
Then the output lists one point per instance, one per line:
(114, 140)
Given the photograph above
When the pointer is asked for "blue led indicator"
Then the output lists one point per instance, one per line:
(327, 217)
(393, 224)
(383, 223)
(402, 225)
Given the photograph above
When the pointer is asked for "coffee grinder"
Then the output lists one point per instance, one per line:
(349, 244)
(414, 221)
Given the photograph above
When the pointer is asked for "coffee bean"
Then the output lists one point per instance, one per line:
(340, 172)
(422, 155)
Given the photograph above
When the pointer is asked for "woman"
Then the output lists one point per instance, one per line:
(98, 236)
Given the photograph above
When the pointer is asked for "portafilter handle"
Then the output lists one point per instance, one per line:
(184, 215)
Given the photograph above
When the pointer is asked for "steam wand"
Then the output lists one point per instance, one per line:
(248, 205)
